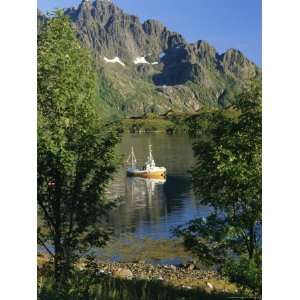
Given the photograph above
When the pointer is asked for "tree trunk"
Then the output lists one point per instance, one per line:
(251, 242)
(58, 261)
(59, 251)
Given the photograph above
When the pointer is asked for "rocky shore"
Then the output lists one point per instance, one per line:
(185, 276)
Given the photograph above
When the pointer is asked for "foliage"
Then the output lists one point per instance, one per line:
(246, 273)
(227, 177)
(78, 285)
(147, 125)
(109, 97)
(76, 157)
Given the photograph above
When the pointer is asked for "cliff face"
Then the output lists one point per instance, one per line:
(145, 67)
(109, 31)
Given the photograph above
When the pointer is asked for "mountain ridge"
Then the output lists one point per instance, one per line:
(150, 68)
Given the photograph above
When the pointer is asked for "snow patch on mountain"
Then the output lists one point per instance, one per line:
(114, 61)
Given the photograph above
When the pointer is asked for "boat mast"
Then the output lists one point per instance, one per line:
(133, 159)
(151, 159)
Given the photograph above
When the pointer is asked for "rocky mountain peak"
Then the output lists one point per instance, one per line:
(153, 27)
(233, 61)
(111, 32)
(202, 52)
(147, 67)
(39, 13)
(232, 56)
(41, 20)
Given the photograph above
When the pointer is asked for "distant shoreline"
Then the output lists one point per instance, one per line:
(170, 124)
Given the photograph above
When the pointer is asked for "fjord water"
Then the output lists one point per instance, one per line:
(149, 208)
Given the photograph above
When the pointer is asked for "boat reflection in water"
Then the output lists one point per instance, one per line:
(144, 204)
(142, 189)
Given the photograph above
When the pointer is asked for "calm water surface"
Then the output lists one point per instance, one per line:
(148, 207)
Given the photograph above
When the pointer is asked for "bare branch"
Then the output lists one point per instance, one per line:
(46, 248)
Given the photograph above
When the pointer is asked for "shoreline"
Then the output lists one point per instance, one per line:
(186, 277)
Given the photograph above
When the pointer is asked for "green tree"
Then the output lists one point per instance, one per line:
(227, 177)
(76, 157)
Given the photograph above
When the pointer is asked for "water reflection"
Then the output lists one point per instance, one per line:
(152, 207)
(142, 188)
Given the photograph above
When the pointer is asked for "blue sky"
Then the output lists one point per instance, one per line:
(223, 23)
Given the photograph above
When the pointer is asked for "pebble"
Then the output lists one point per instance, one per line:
(123, 273)
(173, 267)
(210, 285)
(187, 287)
(191, 267)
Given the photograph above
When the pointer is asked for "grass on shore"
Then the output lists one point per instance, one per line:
(110, 288)
(116, 288)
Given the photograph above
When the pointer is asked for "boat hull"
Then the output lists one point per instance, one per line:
(159, 174)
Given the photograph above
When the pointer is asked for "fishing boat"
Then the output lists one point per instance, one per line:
(149, 170)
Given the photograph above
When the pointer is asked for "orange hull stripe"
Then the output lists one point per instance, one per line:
(156, 175)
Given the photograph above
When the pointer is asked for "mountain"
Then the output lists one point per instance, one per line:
(41, 20)
(145, 67)
(109, 31)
